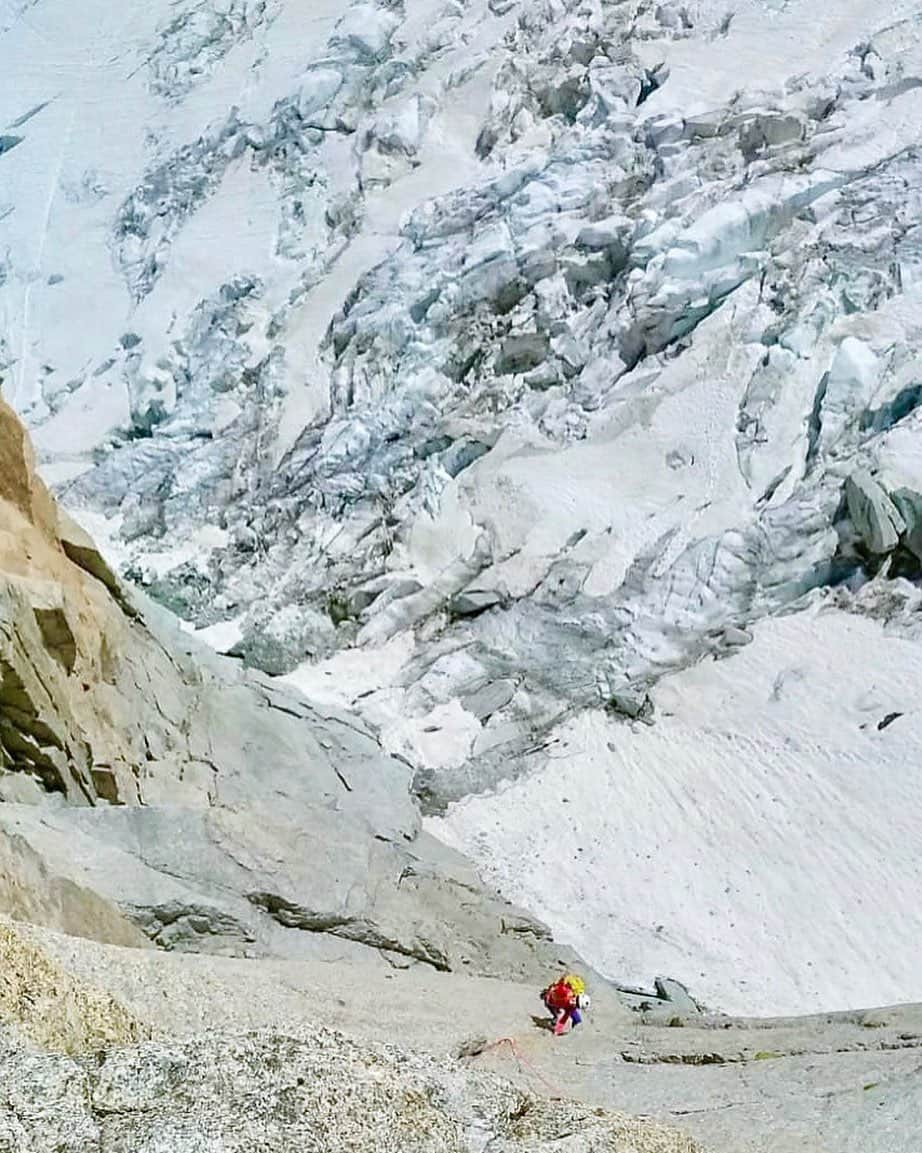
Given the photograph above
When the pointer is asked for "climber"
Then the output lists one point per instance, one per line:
(566, 1000)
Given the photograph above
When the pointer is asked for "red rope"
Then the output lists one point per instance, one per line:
(510, 1041)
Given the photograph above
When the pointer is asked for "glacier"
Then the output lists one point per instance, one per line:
(538, 379)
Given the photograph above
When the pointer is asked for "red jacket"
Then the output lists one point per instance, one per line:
(560, 996)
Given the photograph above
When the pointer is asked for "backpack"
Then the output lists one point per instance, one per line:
(559, 996)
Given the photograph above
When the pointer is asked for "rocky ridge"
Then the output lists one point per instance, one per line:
(326, 1094)
(82, 1072)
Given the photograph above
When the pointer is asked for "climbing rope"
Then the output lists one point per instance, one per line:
(522, 1061)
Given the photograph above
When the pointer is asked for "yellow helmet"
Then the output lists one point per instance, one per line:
(576, 983)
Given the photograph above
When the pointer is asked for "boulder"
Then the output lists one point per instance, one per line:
(632, 701)
(875, 517)
(677, 995)
(908, 503)
(472, 602)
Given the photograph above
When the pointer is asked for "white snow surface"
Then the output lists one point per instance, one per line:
(501, 370)
(763, 838)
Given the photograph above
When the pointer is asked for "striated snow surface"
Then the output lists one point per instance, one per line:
(492, 368)
(762, 838)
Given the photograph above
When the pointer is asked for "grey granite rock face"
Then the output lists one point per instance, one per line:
(289, 880)
(324, 1095)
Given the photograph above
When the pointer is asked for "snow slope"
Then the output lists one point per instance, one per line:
(762, 838)
(486, 368)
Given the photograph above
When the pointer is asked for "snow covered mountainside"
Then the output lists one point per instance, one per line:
(538, 378)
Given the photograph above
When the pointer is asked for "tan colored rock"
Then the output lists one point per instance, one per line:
(19, 484)
(53, 1009)
(60, 633)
